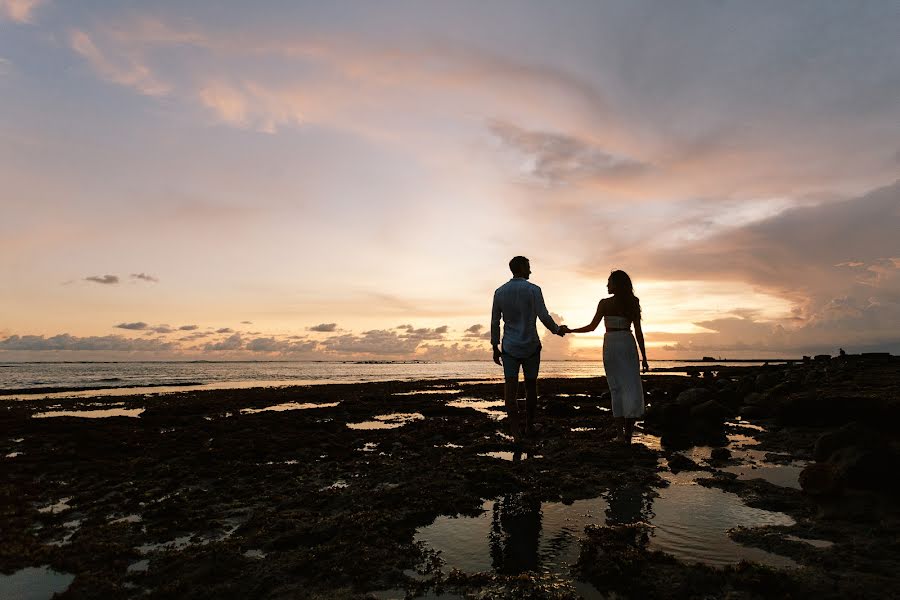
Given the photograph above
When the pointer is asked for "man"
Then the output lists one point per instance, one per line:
(519, 302)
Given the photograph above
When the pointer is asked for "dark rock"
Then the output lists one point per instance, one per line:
(680, 462)
(866, 468)
(755, 412)
(675, 417)
(747, 385)
(710, 411)
(755, 399)
(831, 441)
(693, 396)
(720, 454)
(820, 479)
(767, 380)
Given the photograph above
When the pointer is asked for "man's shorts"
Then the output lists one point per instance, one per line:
(529, 365)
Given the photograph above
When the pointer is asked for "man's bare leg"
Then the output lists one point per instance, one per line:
(620, 429)
(511, 389)
(628, 429)
(530, 404)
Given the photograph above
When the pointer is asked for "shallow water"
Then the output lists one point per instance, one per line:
(91, 414)
(495, 409)
(689, 521)
(692, 522)
(289, 406)
(511, 456)
(109, 378)
(391, 421)
(34, 583)
(516, 534)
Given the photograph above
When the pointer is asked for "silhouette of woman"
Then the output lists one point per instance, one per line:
(620, 357)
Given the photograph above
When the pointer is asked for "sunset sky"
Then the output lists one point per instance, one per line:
(346, 180)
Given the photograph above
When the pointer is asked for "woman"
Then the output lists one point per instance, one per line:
(620, 358)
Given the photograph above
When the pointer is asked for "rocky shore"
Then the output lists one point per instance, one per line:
(319, 492)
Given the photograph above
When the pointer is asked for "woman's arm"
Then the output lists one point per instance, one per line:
(639, 335)
(593, 324)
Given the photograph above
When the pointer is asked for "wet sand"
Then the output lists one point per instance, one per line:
(395, 488)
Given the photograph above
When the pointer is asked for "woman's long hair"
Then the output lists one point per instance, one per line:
(624, 294)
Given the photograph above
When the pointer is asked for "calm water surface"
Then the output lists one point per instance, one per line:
(124, 378)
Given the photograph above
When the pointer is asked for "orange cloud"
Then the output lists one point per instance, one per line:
(20, 11)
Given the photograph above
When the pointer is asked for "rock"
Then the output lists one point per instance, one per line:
(820, 479)
(680, 462)
(866, 468)
(747, 385)
(755, 412)
(831, 441)
(710, 411)
(767, 380)
(755, 399)
(693, 396)
(720, 454)
(675, 417)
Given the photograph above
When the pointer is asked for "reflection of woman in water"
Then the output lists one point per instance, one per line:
(620, 357)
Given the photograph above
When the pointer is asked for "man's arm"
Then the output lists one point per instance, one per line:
(543, 314)
(495, 328)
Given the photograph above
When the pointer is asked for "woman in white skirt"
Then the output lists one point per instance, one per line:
(620, 357)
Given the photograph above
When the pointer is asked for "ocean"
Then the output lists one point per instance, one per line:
(124, 378)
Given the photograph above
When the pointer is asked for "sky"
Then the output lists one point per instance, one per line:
(348, 180)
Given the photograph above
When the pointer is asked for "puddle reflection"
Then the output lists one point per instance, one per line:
(34, 583)
(518, 533)
(495, 409)
(391, 421)
(91, 414)
(289, 406)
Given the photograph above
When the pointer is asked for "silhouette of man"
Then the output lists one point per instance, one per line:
(519, 302)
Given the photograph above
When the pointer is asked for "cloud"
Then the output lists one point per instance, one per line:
(225, 330)
(144, 277)
(20, 11)
(836, 263)
(136, 326)
(558, 159)
(477, 331)
(162, 329)
(124, 69)
(105, 279)
(246, 322)
(234, 342)
(187, 328)
(283, 347)
(323, 327)
(68, 342)
(378, 342)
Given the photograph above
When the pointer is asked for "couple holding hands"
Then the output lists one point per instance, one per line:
(518, 303)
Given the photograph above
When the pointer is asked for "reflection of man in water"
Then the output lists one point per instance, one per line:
(515, 534)
(627, 505)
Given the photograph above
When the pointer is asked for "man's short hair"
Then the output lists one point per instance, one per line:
(517, 264)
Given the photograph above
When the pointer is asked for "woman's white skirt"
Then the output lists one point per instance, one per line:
(623, 373)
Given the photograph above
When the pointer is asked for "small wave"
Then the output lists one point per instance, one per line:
(107, 379)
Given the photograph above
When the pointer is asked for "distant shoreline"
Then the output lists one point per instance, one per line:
(363, 362)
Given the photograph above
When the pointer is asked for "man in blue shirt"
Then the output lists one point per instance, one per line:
(519, 303)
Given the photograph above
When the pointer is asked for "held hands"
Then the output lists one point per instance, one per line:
(563, 330)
